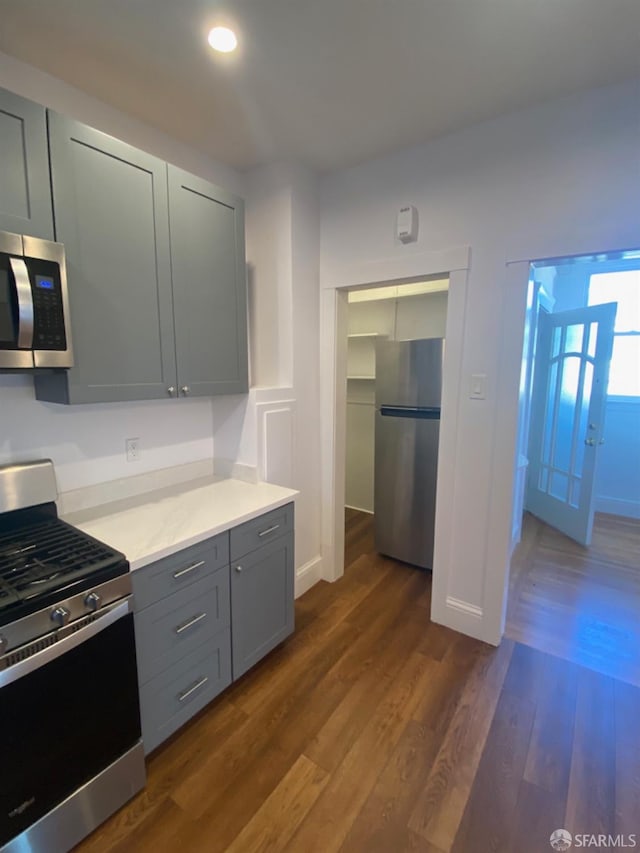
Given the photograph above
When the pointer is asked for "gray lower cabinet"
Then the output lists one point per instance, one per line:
(201, 623)
(262, 587)
(156, 274)
(183, 636)
(25, 189)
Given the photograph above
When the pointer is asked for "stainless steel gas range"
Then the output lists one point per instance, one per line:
(71, 752)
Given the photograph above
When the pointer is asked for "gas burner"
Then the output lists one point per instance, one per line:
(42, 557)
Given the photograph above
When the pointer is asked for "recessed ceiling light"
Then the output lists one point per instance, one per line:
(223, 39)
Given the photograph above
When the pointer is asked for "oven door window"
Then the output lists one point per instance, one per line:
(66, 722)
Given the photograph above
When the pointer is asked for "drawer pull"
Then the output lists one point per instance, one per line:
(268, 530)
(186, 625)
(186, 693)
(188, 569)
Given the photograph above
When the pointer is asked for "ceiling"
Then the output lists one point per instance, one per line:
(327, 83)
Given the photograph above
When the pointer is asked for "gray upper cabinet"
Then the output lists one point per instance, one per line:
(25, 191)
(156, 272)
(110, 204)
(208, 268)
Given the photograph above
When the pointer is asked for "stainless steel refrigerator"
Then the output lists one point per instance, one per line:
(407, 430)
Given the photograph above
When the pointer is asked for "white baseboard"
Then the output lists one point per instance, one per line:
(466, 618)
(359, 509)
(615, 506)
(464, 607)
(308, 575)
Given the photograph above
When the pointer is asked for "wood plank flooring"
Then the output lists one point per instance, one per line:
(372, 730)
(580, 603)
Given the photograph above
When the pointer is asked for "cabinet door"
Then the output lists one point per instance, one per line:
(209, 286)
(25, 188)
(262, 609)
(111, 212)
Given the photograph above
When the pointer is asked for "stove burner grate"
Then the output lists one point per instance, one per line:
(45, 555)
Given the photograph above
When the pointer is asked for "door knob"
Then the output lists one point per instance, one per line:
(238, 569)
(590, 442)
(171, 390)
(185, 390)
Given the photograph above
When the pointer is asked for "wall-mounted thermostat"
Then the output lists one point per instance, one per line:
(407, 224)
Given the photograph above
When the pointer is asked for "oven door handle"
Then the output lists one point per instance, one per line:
(25, 303)
(108, 616)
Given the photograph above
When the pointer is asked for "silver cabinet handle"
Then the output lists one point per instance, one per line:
(25, 303)
(238, 569)
(171, 390)
(190, 623)
(186, 693)
(188, 569)
(185, 390)
(268, 530)
(590, 442)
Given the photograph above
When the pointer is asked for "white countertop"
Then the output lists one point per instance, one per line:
(157, 524)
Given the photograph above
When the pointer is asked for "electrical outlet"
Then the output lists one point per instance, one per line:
(133, 449)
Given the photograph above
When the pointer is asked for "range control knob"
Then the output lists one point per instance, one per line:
(93, 601)
(60, 615)
(3, 643)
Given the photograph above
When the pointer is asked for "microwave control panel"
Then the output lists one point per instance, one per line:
(48, 313)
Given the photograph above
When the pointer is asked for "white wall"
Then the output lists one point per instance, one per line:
(558, 179)
(87, 442)
(269, 248)
(305, 212)
(277, 426)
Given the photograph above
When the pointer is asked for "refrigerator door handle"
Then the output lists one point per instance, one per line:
(425, 413)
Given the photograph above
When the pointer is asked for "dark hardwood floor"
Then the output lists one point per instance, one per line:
(373, 729)
(582, 604)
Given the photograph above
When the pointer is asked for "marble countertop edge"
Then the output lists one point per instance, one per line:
(149, 527)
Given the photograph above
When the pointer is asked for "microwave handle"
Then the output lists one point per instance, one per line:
(25, 303)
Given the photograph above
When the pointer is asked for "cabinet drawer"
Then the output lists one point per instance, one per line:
(173, 627)
(160, 579)
(174, 696)
(259, 531)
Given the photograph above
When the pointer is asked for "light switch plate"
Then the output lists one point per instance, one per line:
(478, 386)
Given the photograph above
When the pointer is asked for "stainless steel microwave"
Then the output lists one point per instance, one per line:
(34, 305)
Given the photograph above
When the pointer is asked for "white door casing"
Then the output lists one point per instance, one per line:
(454, 263)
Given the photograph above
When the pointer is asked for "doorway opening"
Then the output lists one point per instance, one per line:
(386, 326)
(574, 587)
